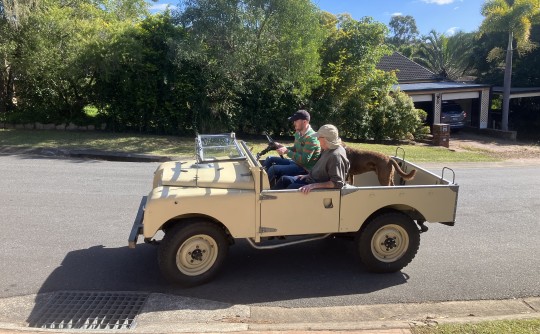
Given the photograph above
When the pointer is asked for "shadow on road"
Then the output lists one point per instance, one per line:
(318, 269)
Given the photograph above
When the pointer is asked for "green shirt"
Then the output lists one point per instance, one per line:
(306, 149)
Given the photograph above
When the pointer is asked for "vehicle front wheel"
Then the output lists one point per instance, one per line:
(192, 254)
(388, 243)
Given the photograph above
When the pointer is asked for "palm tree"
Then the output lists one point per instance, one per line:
(447, 56)
(514, 17)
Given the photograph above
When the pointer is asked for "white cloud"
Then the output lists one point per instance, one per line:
(452, 31)
(162, 7)
(439, 2)
(396, 14)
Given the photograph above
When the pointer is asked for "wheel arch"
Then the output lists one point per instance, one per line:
(194, 217)
(408, 210)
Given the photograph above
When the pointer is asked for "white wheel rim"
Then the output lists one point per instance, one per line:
(196, 255)
(390, 243)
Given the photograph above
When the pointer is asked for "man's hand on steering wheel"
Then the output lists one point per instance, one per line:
(281, 150)
(272, 145)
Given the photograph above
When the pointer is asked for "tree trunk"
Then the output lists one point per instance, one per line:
(507, 83)
(3, 87)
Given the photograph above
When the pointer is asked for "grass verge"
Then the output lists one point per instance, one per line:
(529, 326)
(184, 146)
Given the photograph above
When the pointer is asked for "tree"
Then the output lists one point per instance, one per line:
(514, 17)
(256, 54)
(13, 13)
(356, 96)
(139, 87)
(403, 29)
(448, 57)
(59, 50)
(526, 72)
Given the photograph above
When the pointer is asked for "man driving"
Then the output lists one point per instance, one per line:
(301, 157)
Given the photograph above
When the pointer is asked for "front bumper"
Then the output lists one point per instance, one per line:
(137, 228)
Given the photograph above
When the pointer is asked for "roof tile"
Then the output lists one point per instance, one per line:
(407, 71)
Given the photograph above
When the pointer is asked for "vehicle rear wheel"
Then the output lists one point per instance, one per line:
(388, 243)
(192, 254)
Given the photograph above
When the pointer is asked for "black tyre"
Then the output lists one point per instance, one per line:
(192, 254)
(388, 243)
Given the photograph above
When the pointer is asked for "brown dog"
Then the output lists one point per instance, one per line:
(365, 161)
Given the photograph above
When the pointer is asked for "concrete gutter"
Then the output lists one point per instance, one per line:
(176, 314)
(84, 154)
(117, 156)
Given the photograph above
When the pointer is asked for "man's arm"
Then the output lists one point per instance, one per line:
(308, 187)
(304, 155)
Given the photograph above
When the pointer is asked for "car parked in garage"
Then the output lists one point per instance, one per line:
(453, 114)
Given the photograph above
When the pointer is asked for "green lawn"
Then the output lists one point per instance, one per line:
(184, 146)
(531, 326)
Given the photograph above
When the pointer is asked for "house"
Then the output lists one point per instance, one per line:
(428, 91)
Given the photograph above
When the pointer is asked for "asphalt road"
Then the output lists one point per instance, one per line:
(65, 223)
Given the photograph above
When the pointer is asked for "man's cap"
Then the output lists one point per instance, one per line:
(331, 134)
(300, 114)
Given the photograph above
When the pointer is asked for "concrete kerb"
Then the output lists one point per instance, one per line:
(176, 314)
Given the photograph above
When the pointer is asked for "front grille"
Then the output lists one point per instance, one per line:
(90, 310)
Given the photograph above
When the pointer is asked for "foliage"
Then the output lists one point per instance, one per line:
(138, 85)
(396, 118)
(526, 71)
(210, 66)
(13, 13)
(404, 30)
(58, 53)
(514, 17)
(448, 57)
(260, 58)
(355, 96)
(526, 67)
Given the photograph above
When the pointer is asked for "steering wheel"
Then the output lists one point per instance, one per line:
(271, 146)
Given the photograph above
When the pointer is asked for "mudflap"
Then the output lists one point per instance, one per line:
(137, 228)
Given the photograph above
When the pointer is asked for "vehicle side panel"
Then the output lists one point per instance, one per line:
(435, 203)
(235, 208)
(291, 212)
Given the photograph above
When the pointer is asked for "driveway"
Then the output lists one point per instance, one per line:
(501, 148)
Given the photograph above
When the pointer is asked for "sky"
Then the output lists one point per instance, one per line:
(443, 16)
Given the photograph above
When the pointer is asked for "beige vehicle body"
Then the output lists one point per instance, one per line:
(226, 186)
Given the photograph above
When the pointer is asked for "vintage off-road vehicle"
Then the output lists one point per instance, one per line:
(203, 205)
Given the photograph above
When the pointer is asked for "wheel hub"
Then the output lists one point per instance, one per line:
(389, 243)
(197, 255)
